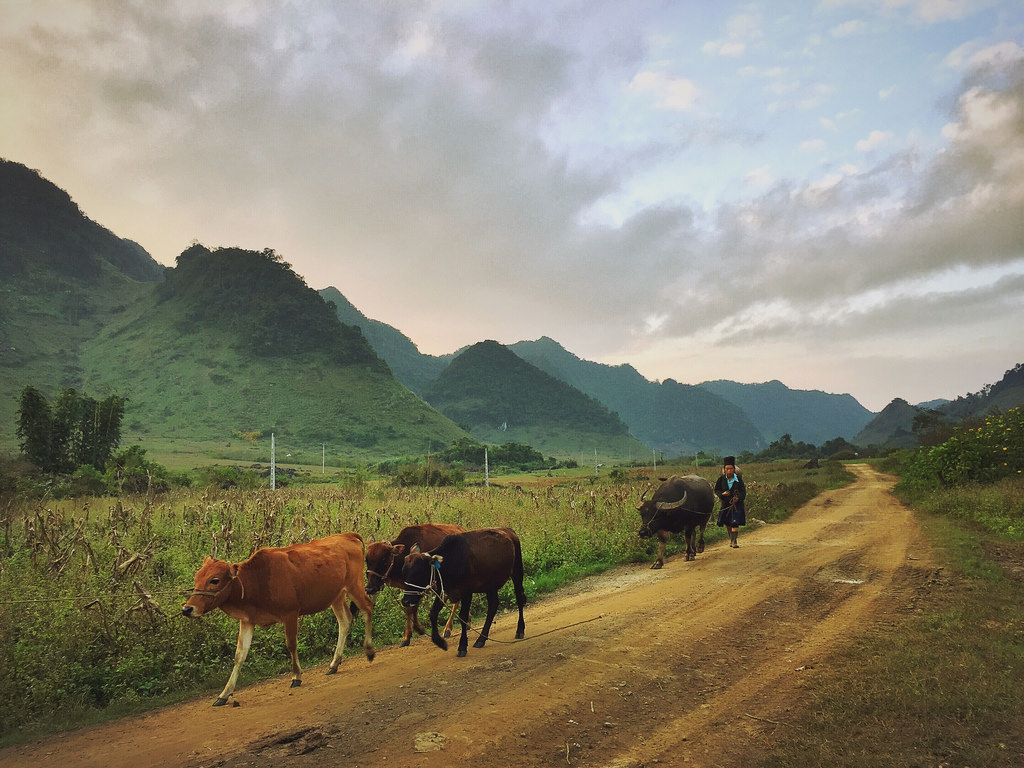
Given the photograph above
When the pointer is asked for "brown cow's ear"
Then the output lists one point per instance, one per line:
(207, 559)
(233, 570)
(398, 550)
(437, 559)
(415, 549)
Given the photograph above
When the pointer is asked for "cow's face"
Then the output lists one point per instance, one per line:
(382, 561)
(418, 573)
(212, 585)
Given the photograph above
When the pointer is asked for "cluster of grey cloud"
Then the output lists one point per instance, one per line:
(409, 154)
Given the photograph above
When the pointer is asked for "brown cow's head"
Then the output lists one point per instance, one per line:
(383, 561)
(212, 585)
(419, 573)
(653, 513)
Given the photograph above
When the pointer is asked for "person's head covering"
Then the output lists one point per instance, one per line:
(729, 460)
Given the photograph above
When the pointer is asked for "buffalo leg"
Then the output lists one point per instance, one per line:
(700, 539)
(435, 610)
(492, 608)
(662, 539)
(690, 536)
(467, 600)
(241, 651)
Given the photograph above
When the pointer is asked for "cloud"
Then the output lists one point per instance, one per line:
(672, 93)
(874, 140)
(849, 28)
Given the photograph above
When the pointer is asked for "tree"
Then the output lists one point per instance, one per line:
(77, 430)
(35, 427)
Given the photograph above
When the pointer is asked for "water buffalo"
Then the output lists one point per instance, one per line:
(680, 504)
(464, 563)
(279, 584)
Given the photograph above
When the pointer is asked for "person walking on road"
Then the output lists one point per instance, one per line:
(731, 491)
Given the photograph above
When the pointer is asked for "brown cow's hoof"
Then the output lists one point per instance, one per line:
(447, 633)
(220, 702)
(690, 557)
(657, 565)
(371, 654)
(520, 634)
(480, 642)
(404, 643)
(462, 652)
(331, 671)
(296, 683)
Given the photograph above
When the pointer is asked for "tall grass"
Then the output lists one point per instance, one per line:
(91, 588)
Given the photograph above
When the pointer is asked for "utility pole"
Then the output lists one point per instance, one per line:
(273, 467)
(487, 470)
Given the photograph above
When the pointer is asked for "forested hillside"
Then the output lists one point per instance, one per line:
(498, 397)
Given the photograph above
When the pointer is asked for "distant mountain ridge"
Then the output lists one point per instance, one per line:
(894, 426)
(811, 416)
(499, 397)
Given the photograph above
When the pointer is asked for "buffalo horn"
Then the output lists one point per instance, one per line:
(668, 506)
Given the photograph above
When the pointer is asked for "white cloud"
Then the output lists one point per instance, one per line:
(849, 28)
(673, 93)
(874, 140)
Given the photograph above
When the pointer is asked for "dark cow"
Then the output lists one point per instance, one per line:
(384, 561)
(464, 563)
(279, 584)
(680, 504)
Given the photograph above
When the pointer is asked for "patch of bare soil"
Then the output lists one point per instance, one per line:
(695, 664)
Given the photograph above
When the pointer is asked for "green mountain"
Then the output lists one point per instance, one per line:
(499, 397)
(810, 416)
(229, 343)
(893, 427)
(674, 418)
(64, 277)
(234, 342)
(410, 366)
(1005, 394)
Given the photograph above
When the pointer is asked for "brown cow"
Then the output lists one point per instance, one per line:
(464, 563)
(279, 584)
(384, 561)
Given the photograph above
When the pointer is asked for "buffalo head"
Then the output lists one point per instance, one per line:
(653, 513)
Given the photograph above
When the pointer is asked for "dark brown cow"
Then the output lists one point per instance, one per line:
(384, 561)
(279, 584)
(680, 504)
(464, 563)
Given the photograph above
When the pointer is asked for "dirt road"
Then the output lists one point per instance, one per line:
(695, 664)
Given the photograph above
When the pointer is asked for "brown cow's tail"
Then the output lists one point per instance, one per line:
(517, 585)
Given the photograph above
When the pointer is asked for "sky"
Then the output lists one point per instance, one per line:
(829, 193)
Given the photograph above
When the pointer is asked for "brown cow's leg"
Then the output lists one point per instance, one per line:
(467, 600)
(344, 617)
(363, 603)
(492, 608)
(291, 642)
(435, 610)
(451, 620)
(241, 651)
(411, 623)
